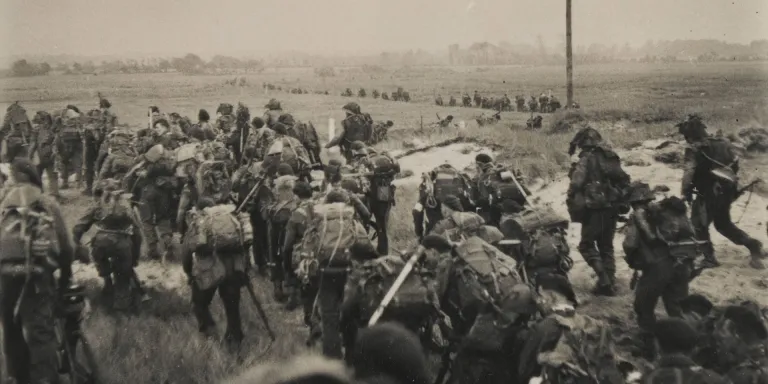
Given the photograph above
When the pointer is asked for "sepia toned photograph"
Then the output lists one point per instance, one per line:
(384, 192)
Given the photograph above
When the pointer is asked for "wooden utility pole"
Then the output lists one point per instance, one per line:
(568, 54)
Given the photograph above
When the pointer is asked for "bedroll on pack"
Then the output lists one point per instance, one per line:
(542, 233)
(292, 152)
(220, 229)
(676, 230)
(332, 231)
(28, 240)
(491, 328)
(467, 224)
(413, 300)
(448, 181)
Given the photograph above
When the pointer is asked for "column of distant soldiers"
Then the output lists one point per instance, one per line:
(546, 102)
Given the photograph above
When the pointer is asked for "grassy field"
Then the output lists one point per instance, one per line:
(627, 103)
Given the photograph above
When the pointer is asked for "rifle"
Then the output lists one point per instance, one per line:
(396, 285)
(259, 308)
(748, 187)
(635, 278)
(250, 194)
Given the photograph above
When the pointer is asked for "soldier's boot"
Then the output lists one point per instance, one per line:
(756, 254)
(647, 343)
(294, 298)
(604, 286)
(278, 293)
(710, 261)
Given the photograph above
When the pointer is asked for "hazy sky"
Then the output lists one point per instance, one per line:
(108, 27)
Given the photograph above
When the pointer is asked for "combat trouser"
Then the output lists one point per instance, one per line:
(91, 149)
(260, 253)
(281, 267)
(380, 211)
(229, 292)
(661, 279)
(29, 342)
(47, 165)
(432, 215)
(115, 254)
(329, 298)
(706, 210)
(15, 147)
(596, 246)
(155, 208)
(69, 160)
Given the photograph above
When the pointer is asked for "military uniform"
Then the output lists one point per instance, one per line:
(355, 127)
(115, 248)
(294, 231)
(714, 196)
(44, 139)
(156, 204)
(17, 132)
(29, 342)
(663, 276)
(93, 136)
(599, 182)
(196, 264)
(69, 146)
(272, 115)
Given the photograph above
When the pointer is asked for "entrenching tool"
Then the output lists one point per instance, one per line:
(396, 285)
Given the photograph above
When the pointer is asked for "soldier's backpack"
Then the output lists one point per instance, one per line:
(212, 180)
(357, 128)
(225, 123)
(219, 229)
(669, 218)
(415, 299)
(448, 181)
(70, 127)
(584, 353)
(291, 152)
(720, 159)
(116, 207)
(482, 276)
(384, 169)
(28, 241)
(332, 230)
(188, 156)
(215, 150)
(499, 185)
(19, 122)
(285, 201)
(543, 237)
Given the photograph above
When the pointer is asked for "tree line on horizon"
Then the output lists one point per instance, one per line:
(482, 53)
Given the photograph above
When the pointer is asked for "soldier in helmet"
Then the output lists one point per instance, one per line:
(357, 126)
(478, 99)
(110, 119)
(663, 277)
(595, 195)
(711, 168)
(225, 120)
(43, 143)
(677, 341)
(272, 115)
(16, 131)
(69, 144)
(157, 183)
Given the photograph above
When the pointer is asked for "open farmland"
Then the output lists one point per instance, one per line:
(628, 103)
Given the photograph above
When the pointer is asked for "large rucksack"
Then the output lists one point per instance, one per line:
(670, 221)
(28, 241)
(17, 119)
(212, 180)
(448, 181)
(215, 150)
(291, 152)
(219, 229)
(331, 232)
(415, 299)
(720, 159)
(384, 168)
(70, 128)
(499, 185)
(482, 276)
(116, 207)
(357, 128)
(543, 237)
